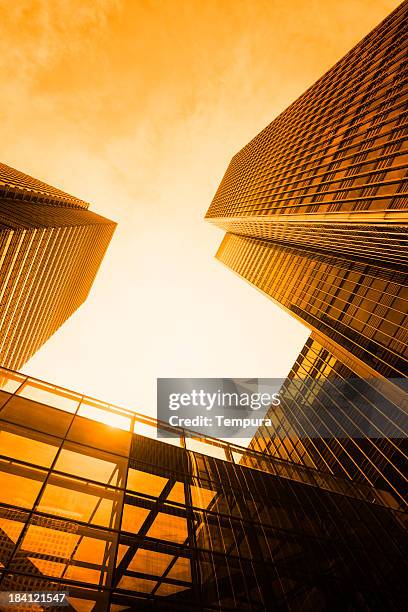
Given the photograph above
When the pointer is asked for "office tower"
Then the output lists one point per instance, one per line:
(316, 212)
(329, 173)
(334, 420)
(316, 204)
(123, 521)
(51, 247)
(360, 308)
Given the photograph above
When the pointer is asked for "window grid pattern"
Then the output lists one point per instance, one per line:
(339, 147)
(16, 184)
(311, 425)
(386, 243)
(331, 171)
(362, 307)
(315, 210)
(49, 257)
(148, 522)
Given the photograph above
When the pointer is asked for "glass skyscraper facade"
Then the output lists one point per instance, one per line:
(51, 248)
(331, 419)
(92, 504)
(362, 308)
(329, 173)
(316, 214)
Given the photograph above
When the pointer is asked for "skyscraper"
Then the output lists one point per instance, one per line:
(360, 307)
(316, 212)
(332, 419)
(329, 173)
(51, 247)
(119, 520)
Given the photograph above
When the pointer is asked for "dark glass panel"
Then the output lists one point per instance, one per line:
(25, 412)
(90, 432)
(91, 463)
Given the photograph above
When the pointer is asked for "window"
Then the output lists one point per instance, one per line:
(65, 550)
(80, 501)
(10, 381)
(133, 518)
(169, 527)
(104, 414)
(143, 482)
(19, 443)
(50, 395)
(91, 433)
(150, 562)
(130, 583)
(19, 485)
(201, 497)
(11, 526)
(91, 464)
(201, 446)
(36, 416)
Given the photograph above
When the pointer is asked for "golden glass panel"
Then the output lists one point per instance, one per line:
(47, 541)
(10, 531)
(181, 570)
(169, 527)
(81, 605)
(10, 381)
(133, 518)
(122, 550)
(50, 395)
(84, 574)
(131, 583)
(104, 514)
(150, 562)
(48, 568)
(11, 528)
(91, 550)
(177, 493)
(75, 505)
(40, 417)
(19, 484)
(73, 548)
(200, 497)
(25, 448)
(144, 482)
(169, 589)
(86, 466)
(94, 434)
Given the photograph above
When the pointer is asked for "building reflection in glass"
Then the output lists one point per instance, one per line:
(123, 521)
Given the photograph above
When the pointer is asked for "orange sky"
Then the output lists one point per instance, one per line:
(137, 106)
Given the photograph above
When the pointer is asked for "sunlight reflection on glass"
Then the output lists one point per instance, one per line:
(104, 416)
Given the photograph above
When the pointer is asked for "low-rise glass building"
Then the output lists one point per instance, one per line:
(95, 505)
